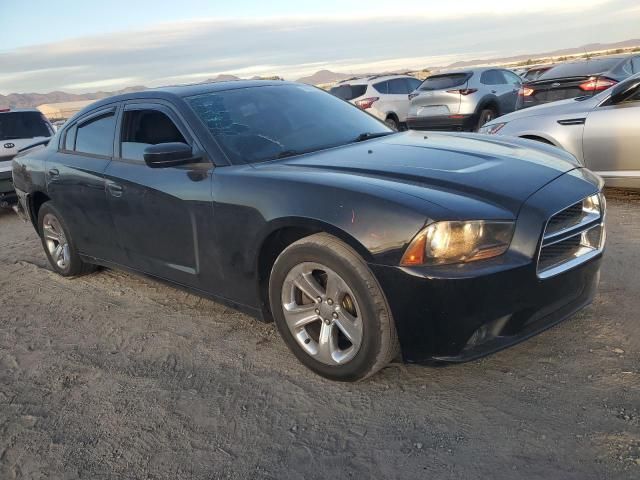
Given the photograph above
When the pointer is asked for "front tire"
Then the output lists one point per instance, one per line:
(330, 309)
(58, 244)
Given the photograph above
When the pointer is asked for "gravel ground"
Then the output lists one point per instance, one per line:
(111, 376)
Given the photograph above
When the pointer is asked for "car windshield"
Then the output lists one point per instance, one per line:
(258, 124)
(16, 125)
(348, 92)
(440, 82)
(580, 69)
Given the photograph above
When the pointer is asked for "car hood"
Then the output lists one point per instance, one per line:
(451, 170)
(10, 148)
(559, 108)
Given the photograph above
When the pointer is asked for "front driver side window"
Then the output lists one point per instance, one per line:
(142, 128)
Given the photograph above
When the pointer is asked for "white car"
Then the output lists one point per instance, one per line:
(602, 132)
(383, 96)
(19, 128)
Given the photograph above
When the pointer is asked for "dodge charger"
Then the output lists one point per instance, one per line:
(287, 203)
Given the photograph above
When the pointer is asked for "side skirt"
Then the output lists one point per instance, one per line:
(251, 311)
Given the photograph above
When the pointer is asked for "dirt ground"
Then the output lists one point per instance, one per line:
(111, 376)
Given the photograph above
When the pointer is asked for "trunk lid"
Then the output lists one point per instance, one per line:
(439, 95)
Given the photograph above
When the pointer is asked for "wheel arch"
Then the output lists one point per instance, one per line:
(540, 138)
(35, 200)
(488, 102)
(281, 233)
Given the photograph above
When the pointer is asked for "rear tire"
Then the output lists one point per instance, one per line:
(330, 309)
(393, 123)
(58, 244)
(486, 115)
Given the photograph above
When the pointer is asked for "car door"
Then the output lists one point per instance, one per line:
(160, 214)
(76, 184)
(611, 139)
(398, 97)
(404, 102)
(510, 97)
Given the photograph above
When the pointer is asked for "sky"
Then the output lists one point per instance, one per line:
(79, 46)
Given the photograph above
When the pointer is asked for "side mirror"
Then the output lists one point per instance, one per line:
(168, 155)
(623, 90)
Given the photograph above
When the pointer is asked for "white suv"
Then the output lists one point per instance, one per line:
(384, 96)
(18, 129)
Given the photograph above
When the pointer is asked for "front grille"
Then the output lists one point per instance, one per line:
(572, 236)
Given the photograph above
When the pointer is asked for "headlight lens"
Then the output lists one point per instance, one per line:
(491, 129)
(458, 242)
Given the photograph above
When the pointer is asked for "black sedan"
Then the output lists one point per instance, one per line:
(290, 204)
(583, 78)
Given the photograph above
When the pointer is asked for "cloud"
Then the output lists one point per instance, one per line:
(294, 46)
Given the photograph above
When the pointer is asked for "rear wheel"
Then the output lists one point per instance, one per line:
(330, 309)
(58, 244)
(486, 115)
(393, 123)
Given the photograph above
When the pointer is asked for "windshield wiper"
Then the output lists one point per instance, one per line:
(289, 153)
(368, 135)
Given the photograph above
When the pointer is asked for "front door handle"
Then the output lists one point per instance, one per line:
(54, 172)
(115, 189)
(493, 91)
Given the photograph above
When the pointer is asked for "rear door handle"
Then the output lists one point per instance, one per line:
(54, 172)
(493, 91)
(115, 189)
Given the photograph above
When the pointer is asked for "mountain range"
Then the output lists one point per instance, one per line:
(26, 100)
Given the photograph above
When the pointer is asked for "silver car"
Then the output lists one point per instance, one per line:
(463, 99)
(602, 132)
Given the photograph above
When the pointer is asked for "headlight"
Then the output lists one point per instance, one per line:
(458, 242)
(491, 129)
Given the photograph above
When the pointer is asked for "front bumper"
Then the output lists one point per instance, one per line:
(457, 313)
(7, 192)
(443, 122)
(456, 319)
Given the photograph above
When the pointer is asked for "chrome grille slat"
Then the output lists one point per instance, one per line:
(567, 236)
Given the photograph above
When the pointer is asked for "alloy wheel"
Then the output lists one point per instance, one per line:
(56, 241)
(322, 313)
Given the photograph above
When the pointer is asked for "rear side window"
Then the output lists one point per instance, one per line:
(95, 137)
(492, 77)
(381, 87)
(348, 92)
(635, 63)
(142, 128)
(15, 125)
(626, 68)
(398, 86)
(413, 83)
(442, 82)
(511, 77)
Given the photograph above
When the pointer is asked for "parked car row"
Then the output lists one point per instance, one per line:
(467, 99)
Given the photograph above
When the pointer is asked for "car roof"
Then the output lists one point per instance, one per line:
(467, 70)
(181, 91)
(371, 78)
(18, 110)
